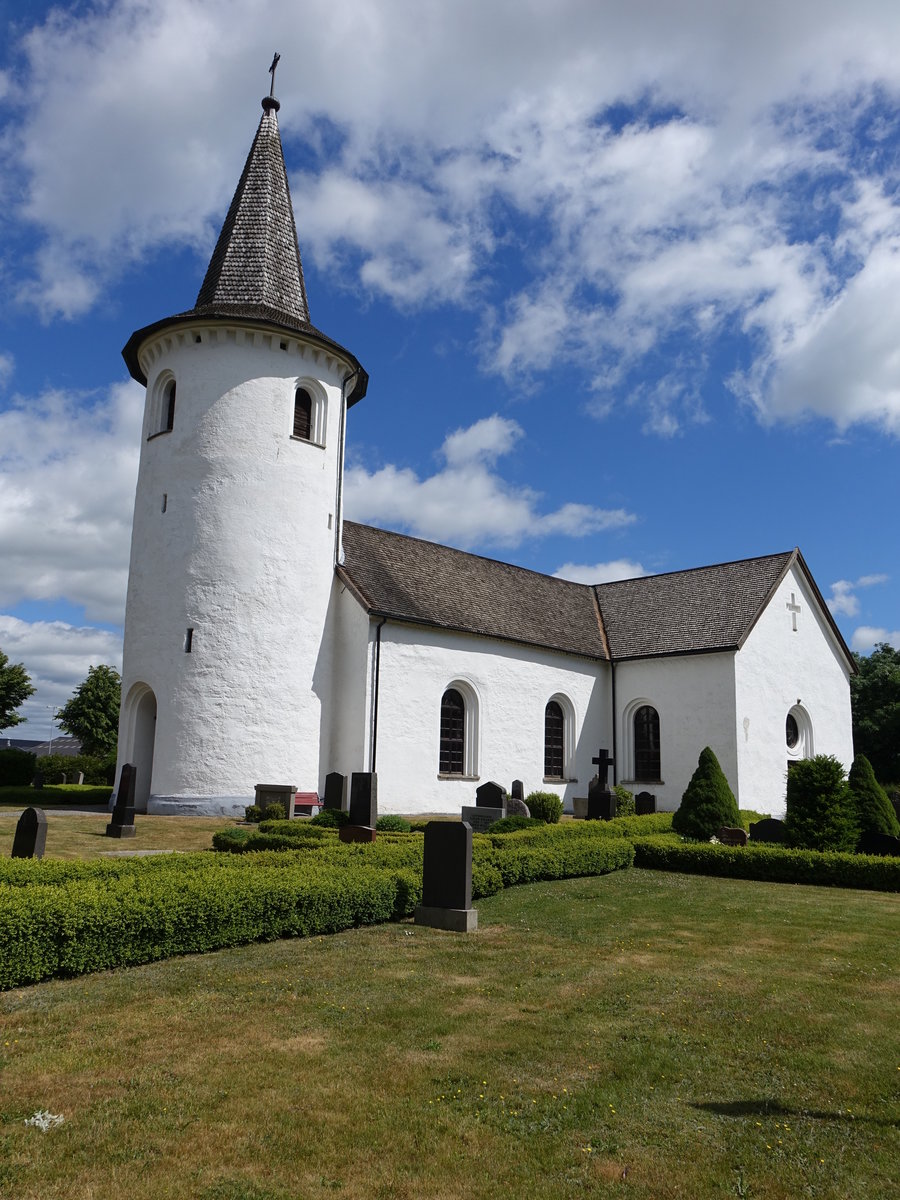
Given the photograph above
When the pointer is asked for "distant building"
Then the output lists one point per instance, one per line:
(268, 641)
(68, 746)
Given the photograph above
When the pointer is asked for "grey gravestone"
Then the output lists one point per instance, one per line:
(79, 777)
(31, 834)
(61, 778)
(38, 782)
(490, 795)
(481, 819)
(356, 833)
(579, 807)
(447, 878)
(730, 836)
(122, 823)
(644, 804)
(516, 807)
(879, 843)
(769, 829)
(336, 791)
(364, 798)
(276, 793)
(602, 803)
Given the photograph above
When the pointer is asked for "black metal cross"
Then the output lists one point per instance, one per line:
(272, 73)
(602, 762)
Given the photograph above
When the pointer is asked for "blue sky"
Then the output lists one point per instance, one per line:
(624, 279)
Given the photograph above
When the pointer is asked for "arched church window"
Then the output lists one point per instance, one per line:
(453, 733)
(303, 407)
(646, 744)
(554, 741)
(791, 732)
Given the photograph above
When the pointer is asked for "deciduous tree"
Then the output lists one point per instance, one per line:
(875, 699)
(15, 688)
(92, 713)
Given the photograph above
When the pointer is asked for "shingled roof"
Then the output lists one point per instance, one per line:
(407, 579)
(255, 274)
(685, 612)
(688, 612)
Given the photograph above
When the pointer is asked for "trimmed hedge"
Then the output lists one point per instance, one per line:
(771, 864)
(16, 767)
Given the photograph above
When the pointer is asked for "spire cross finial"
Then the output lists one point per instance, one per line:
(272, 73)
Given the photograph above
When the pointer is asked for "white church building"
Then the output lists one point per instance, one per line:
(268, 640)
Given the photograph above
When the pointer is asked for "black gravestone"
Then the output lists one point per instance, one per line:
(38, 782)
(31, 834)
(602, 804)
(122, 823)
(490, 795)
(879, 843)
(730, 835)
(335, 791)
(644, 804)
(517, 791)
(364, 798)
(768, 830)
(447, 878)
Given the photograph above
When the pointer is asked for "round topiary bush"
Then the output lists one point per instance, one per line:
(821, 813)
(391, 823)
(253, 813)
(331, 818)
(275, 811)
(545, 806)
(874, 812)
(708, 802)
(624, 801)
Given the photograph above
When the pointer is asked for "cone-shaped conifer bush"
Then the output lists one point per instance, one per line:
(874, 812)
(708, 802)
(821, 814)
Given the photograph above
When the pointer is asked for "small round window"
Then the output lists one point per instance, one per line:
(792, 732)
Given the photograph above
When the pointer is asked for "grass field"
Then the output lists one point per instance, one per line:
(643, 1034)
(83, 835)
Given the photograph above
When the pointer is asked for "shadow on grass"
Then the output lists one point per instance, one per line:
(774, 1108)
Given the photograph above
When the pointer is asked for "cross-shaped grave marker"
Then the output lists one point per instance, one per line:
(602, 762)
(793, 608)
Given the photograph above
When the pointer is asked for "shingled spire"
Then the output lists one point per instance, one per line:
(255, 270)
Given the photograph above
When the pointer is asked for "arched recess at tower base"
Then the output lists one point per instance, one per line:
(140, 739)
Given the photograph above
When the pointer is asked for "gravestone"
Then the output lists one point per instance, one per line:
(447, 878)
(730, 836)
(517, 808)
(644, 804)
(879, 843)
(62, 777)
(490, 806)
(580, 808)
(769, 829)
(79, 778)
(490, 795)
(122, 823)
(31, 834)
(336, 791)
(517, 791)
(602, 804)
(38, 782)
(275, 793)
(356, 833)
(364, 799)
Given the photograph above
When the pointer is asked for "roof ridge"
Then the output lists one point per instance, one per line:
(732, 562)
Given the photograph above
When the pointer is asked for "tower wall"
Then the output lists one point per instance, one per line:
(234, 539)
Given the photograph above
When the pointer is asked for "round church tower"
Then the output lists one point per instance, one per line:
(237, 518)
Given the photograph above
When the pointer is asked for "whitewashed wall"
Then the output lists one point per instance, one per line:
(780, 670)
(513, 685)
(694, 696)
(242, 554)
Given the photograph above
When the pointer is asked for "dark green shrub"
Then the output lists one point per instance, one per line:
(545, 806)
(515, 823)
(821, 814)
(392, 823)
(624, 801)
(874, 812)
(708, 802)
(299, 830)
(97, 769)
(231, 840)
(17, 767)
(253, 813)
(772, 864)
(331, 818)
(275, 811)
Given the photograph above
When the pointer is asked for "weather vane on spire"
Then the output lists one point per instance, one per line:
(275, 61)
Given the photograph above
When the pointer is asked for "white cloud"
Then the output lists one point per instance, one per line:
(466, 503)
(450, 132)
(603, 572)
(866, 637)
(57, 657)
(68, 466)
(7, 368)
(843, 600)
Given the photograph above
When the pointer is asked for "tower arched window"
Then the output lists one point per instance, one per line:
(453, 733)
(303, 408)
(169, 406)
(554, 741)
(646, 745)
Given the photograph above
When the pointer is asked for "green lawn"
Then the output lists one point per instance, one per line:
(643, 1034)
(83, 835)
